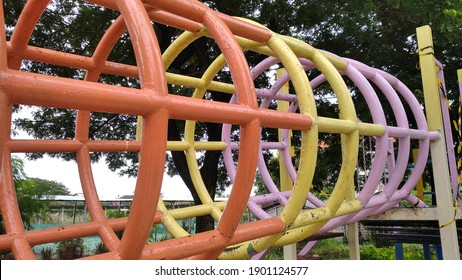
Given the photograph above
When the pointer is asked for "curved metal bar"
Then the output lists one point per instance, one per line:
(302, 213)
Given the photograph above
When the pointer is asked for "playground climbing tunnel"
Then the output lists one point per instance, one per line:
(369, 148)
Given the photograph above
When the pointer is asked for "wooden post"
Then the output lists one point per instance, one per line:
(353, 241)
(444, 197)
(459, 129)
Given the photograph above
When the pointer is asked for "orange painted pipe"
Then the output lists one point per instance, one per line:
(242, 187)
(9, 206)
(243, 82)
(202, 242)
(75, 94)
(42, 146)
(194, 10)
(24, 28)
(246, 30)
(56, 234)
(145, 46)
(5, 123)
(88, 186)
(156, 105)
(12, 220)
(52, 57)
(173, 20)
(97, 214)
(148, 185)
(3, 51)
(21, 250)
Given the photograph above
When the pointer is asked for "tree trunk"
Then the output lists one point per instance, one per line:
(208, 171)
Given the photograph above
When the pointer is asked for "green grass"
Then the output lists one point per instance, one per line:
(330, 249)
(333, 249)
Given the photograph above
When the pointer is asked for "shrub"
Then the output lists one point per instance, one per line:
(70, 249)
(6, 256)
(276, 253)
(100, 249)
(45, 253)
(331, 249)
(371, 252)
(117, 213)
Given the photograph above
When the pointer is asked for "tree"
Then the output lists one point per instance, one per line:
(59, 124)
(30, 193)
(378, 33)
(49, 188)
(27, 194)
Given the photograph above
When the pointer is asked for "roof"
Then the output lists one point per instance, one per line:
(80, 197)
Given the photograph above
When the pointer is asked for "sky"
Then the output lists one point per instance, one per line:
(108, 184)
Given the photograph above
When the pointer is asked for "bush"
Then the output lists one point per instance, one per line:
(331, 249)
(45, 253)
(100, 249)
(411, 252)
(6, 256)
(276, 253)
(371, 252)
(117, 213)
(70, 249)
(380, 242)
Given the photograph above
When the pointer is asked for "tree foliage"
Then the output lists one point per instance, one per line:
(28, 195)
(378, 33)
(31, 194)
